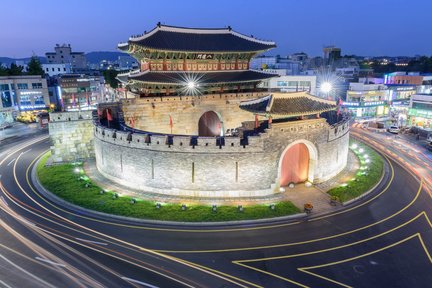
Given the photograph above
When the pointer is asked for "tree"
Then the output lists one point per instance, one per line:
(110, 77)
(3, 70)
(15, 70)
(35, 67)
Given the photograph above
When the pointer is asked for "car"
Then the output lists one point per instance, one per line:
(393, 129)
(429, 146)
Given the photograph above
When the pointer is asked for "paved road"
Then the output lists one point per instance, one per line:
(382, 242)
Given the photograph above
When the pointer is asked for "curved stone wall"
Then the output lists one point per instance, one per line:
(156, 163)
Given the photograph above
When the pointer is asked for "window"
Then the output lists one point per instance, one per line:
(58, 69)
(6, 99)
(47, 69)
(22, 86)
(25, 100)
(52, 69)
(37, 85)
(64, 68)
(39, 99)
(4, 87)
(62, 56)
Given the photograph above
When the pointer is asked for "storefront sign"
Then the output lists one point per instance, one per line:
(420, 113)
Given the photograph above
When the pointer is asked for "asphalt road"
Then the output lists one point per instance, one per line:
(383, 241)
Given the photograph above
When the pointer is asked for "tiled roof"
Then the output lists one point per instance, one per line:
(171, 38)
(289, 105)
(202, 78)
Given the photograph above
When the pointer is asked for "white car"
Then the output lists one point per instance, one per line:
(393, 129)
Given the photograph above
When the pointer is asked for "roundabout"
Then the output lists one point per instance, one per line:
(365, 244)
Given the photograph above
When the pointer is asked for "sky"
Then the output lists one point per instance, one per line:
(360, 27)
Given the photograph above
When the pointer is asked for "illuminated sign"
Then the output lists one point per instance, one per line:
(351, 104)
(420, 113)
(374, 103)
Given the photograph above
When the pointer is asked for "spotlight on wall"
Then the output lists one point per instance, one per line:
(115, 196)
(133, 201)
(326, 87)
(77, 170)
(367, 160)
(158, 205)
(191, 84)
(183, 207)
(214, 208)
(272, 206)
(361, 150)
(354, 146)
(240, 208)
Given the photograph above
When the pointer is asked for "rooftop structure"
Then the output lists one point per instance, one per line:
(203, 60)
(279, 105)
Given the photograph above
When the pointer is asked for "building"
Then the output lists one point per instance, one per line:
(22, 93)
(331, 53)
(420, 110)
(284, 65)
(80, 92)
(290, 83)
(63, 55)
(57, 69)
(401, 86)
(200, 125)
(367, 100)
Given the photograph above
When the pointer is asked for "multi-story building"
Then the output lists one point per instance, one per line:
(63, 55)
(57, 69)
(80, 92)
(367, 100)
(289, 83)
(331, 53)
(289, 66)
(21, 93)
(420, 110)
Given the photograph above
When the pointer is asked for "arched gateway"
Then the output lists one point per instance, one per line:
(209, 124)
(297, 163)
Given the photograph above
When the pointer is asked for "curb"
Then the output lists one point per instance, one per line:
(88, 212)
(384, 172)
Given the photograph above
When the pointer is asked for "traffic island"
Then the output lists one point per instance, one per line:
(69, 182)
(367, 177)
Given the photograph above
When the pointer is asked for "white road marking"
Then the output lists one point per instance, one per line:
(26, 272)
(90, 241)
(11, 162)
(139, 282)
(4, 284)
(26, 151)
(49, 261)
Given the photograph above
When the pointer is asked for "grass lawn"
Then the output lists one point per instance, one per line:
(371, 167)
(63, 180)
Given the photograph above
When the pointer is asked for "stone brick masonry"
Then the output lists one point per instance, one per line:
(207, 170)
(71, 136)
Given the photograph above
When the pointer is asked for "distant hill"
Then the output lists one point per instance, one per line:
(6, 61)
(98, 56)
(92, 58)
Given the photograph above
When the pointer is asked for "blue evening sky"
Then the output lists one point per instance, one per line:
(362, 27)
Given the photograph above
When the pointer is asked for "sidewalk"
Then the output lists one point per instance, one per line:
(299, 195)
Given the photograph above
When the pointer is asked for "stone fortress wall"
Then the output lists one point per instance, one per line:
(152, 113)
(156, 163)
(71, 135)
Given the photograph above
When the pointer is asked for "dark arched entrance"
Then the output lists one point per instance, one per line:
(209, 124)
(295, 165)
